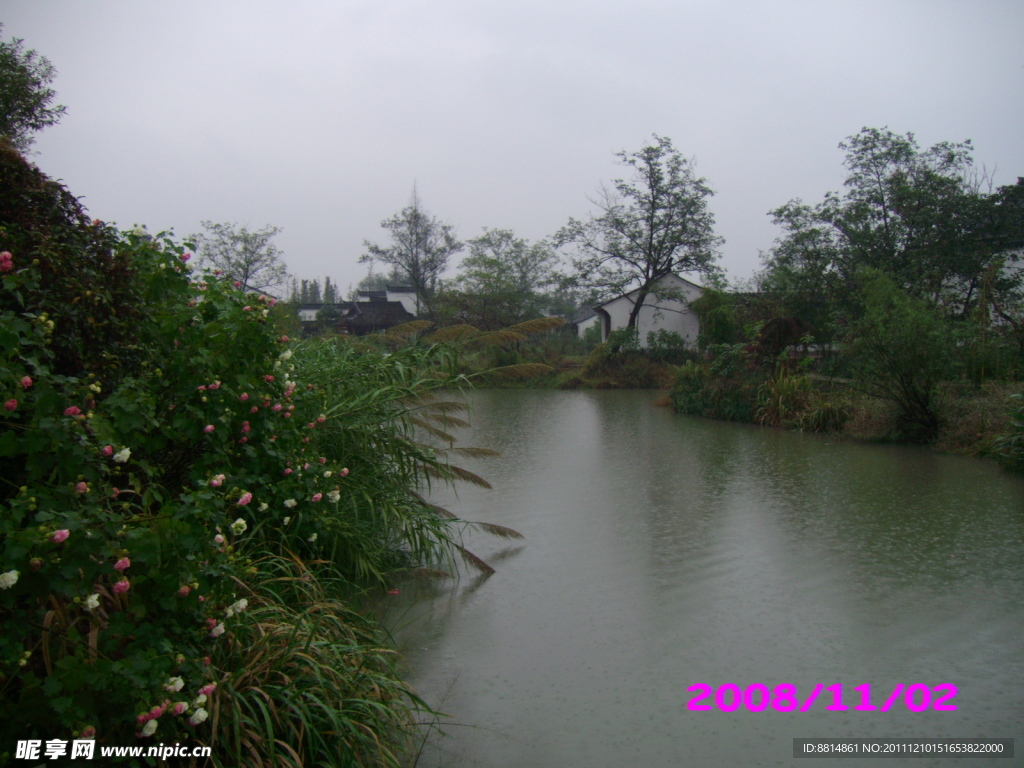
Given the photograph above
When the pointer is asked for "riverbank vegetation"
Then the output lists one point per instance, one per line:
(192, 502)
(891, 312)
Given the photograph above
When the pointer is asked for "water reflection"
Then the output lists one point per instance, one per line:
(664, 551)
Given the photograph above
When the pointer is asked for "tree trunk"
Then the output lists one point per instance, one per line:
(635, 312)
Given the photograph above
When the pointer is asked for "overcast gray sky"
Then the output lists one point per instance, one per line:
(319, 115)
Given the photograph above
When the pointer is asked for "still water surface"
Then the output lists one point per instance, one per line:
(664, 551)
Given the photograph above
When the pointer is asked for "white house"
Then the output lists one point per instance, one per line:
(668, 310)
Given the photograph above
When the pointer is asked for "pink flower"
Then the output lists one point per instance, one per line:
(272, 301)
(310, 425)
(306, 465)
(186, 256)
(26, 382)
(246, 498)
(108, 450)
(218, 539)
(201, 388)
(215, 385)
(179, 708)
(322, 460)
(317, 497)
(11, 405)
(283, 339)
(74, 410)
(155, 712)
(392, 591)
(121, 587)
(321, 419)
(183, 592)
(217, 480)
(122, 564)
(82, 488)
(287, 415)
(89, 732)
(268, 377)
(246, 309)
(245, 426)
(209, 428)
(238, 283)
(344, 472)
(288, 471)
(244, 440)
(254, 409)
(206, 690)
(6, 265)
(277, 407)
(61, 535)
(244, 396)
(207, 661)
(211, 623)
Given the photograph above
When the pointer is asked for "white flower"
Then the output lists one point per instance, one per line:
(139, 231)
(218, 630)
(286, 355)
(287, 520)
(123, 455)
(263, 507)
(334, 495)
(149, 728)
(174, 684)
(312, 538)
(198, 717)
(328, 473)
(239, 527)
(8, 580)
(199, 700)
(236, 607)
(95, 387)
(291, 503)
(92, 602)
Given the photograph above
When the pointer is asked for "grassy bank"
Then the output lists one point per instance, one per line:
(980, 420)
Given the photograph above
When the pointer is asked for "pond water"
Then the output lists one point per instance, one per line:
(664, 551)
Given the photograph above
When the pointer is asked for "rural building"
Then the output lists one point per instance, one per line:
(665, 308)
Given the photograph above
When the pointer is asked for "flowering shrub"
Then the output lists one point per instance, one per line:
(158, 449)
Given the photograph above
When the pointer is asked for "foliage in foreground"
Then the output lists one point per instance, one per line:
(181, 494)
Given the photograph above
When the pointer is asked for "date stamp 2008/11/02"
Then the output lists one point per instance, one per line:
(785, 698)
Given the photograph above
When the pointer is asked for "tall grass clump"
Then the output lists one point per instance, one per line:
(1011, 445)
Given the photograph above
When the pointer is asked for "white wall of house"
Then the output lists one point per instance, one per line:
(590, 322)
(657, 313)
(408, 299)
(307, 315)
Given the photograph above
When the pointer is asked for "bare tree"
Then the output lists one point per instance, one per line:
(247, 257)
(646, 228)
(420, 249)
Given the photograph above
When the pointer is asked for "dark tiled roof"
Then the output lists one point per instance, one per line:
(378, 316)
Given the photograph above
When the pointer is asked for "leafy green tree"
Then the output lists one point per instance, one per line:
(916, 214)
(503, 280)
(900, 351)
(26, 101)
(648, 227)
(420, 249)
(246, 257)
